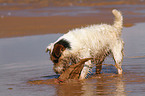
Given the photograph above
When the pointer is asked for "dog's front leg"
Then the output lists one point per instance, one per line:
(87, 67)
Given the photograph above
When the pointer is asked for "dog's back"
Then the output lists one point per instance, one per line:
(95, 37)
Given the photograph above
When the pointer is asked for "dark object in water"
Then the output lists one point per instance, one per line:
(73, 72)
(45, 82)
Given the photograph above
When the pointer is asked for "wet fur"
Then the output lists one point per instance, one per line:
(94, 41)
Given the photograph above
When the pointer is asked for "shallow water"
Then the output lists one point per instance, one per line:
(129, 10)
(38, 8)
(24, 58)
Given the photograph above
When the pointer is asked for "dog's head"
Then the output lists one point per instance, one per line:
(56, 51)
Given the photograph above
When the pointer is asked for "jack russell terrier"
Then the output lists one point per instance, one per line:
(94, 41)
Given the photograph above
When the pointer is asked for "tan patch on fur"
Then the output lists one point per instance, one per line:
(57, 51)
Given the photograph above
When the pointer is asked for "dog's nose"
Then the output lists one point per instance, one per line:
(56, 72)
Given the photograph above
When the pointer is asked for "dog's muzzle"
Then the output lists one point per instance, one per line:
(58, 70)
(60, 67)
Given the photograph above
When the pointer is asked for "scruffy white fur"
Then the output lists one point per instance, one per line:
(94, 41)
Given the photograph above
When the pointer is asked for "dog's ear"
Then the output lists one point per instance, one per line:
(49, 48)
(57, 50)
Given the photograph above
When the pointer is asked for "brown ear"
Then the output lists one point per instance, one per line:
(57, 50)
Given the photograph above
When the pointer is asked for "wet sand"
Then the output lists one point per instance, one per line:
(18, 19)
(32, 28)
(28, 26)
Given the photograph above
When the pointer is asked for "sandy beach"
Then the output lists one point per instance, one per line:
(17, 19)
(28, 26)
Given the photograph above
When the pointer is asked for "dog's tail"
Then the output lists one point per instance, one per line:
(118, 22)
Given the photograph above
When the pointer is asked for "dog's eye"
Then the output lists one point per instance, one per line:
(55, 61)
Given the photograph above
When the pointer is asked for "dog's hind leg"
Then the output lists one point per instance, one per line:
(117, 53)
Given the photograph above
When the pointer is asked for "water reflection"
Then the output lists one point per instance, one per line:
(102, 84)
(120, 88)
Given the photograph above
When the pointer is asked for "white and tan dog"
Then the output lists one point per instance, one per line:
(94, 41)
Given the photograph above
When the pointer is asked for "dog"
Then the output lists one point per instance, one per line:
(95, 41)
